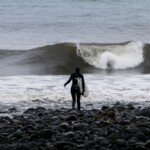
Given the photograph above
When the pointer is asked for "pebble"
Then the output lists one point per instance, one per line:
(38, 128)
(80, 126)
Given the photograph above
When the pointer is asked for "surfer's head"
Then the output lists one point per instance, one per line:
(77, 69)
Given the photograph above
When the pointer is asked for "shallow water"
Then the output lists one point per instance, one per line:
(35, 23)
(48, 91)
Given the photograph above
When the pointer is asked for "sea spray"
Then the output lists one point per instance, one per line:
(113, 56)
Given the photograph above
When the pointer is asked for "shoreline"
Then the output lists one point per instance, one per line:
(119, 127)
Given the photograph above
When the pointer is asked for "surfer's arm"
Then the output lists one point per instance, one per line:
(68, 80)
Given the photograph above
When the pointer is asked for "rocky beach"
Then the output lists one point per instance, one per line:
(41, 44)
(119, 127)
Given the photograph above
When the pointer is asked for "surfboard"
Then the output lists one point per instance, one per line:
(86, 90)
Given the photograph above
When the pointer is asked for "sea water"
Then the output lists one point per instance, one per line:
(33, 23)
(113, 72)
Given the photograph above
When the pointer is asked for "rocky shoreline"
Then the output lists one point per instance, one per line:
(120, 127)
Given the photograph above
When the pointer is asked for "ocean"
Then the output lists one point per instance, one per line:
(41, 42)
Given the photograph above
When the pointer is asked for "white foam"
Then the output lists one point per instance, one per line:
(112, 56)
(48, 91)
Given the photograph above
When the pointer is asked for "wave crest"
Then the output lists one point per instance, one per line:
(113, 56)
(61, 58)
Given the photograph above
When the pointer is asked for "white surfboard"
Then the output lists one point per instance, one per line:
(86, 91)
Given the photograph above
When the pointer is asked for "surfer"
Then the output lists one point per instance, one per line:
(75, 88)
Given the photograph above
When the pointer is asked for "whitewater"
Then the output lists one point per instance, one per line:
(48, 91)
(41, 42)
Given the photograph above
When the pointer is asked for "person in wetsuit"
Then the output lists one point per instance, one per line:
(75, 89)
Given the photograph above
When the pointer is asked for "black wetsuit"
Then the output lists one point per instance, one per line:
(75, 90)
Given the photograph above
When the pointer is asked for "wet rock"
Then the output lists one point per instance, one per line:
(147, 144)
(34, 136)
(29, 111)
(104, 143)
(18, 117)
(71, 118)
(61, 144)
(140, 136)
(46, 133)
(62, 129)
(131, 143)
(139, 144)
(90, 145)
(113, 136)
(54, 118)
(132, 129)
(89, 114)
(47, 119)
(80, 126)
(11, 146)
(12, 110)
(23, 146)
(119, 106)
(79, 135)
(3, 139)
(40, 110)
(100, 140)
(105, 107)
(18, 134)
(39, 121)
(101, 132)
(103, 148)
(140, 147)
(121, 143)
(6, 120)
(146, 131)
(130, 106)
(81, 146)
(69, 134)
(65, 125)
(124, 122)
(68, 147)
(145, 112)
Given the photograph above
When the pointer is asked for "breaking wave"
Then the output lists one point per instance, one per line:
(123, 56)
(63, 57)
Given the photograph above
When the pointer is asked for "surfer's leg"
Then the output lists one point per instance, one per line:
(73, 98)
(78, 100)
